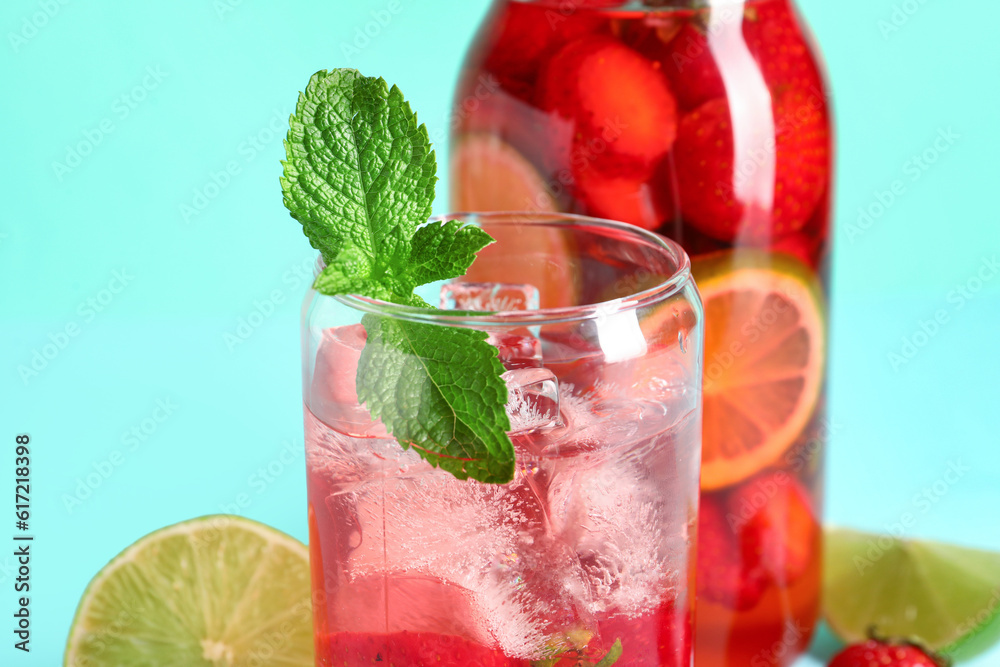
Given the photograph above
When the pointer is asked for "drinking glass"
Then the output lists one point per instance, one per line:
(590, 548)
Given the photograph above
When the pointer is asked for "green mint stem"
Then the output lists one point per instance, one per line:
(613, 654)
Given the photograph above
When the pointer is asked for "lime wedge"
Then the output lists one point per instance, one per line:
(214, 591)
(944, 596)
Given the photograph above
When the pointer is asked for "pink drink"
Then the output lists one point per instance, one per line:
(590, 543)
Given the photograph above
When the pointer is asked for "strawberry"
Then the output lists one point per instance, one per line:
(776, 40)
(527, 33)
(618, 99)
(772, 36)
(694, 77)
(624, 196)
(778, 530)
(723, 194)
(723, 576)
(880, 653)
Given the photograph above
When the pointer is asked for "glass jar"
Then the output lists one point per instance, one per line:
(589, 549)
(708, 123)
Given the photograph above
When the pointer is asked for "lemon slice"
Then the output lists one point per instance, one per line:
(765, 350)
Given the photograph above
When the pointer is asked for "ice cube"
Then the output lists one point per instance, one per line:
(489, 297)
(533, 401)
(333, 395)
(518, 349)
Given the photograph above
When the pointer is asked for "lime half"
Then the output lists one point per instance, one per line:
(215, 591)
(944, 596)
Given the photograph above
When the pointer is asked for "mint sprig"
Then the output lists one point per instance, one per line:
(429, 385)
(359, 175)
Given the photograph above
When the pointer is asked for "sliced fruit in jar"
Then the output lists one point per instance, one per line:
(210, 591)
(632, 199)
(772, 37)
(765, 349)
(777, 526)
(527, 33)
(545, 140)
(945, 596)
(689, 65)
(725, 577)
(489, 175)
(725, 204)
(799, 245)
(619, 99)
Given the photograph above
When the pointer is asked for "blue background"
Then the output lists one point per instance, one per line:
(183, 104)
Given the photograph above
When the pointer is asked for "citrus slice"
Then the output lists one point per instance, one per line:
(487, 174)
(944, 596)
(764, 358)
(214, 591)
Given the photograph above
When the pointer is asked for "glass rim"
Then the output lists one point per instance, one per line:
(670, 286)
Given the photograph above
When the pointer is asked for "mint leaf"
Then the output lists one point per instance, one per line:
(438, 389)
(359, 176)
(359, 170)
(349, 273)
(444, 251)
(613, 654)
